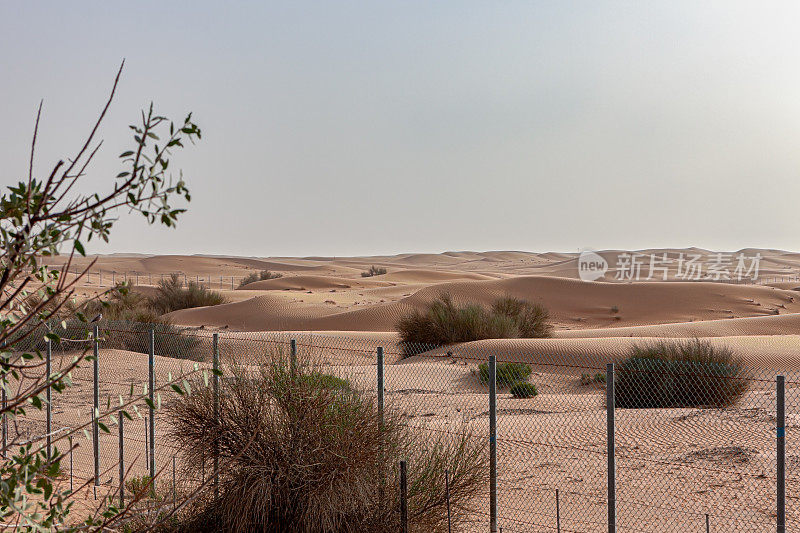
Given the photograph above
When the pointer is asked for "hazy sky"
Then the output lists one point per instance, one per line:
(342, 128)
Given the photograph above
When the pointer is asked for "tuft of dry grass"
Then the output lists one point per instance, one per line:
(303, 451)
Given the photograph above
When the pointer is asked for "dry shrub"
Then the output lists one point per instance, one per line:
(302, 452)
(171, 295)
(444, 322)
(373, 271)
(259, 276)
(690, 373)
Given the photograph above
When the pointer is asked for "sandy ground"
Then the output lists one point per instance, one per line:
(674, 465)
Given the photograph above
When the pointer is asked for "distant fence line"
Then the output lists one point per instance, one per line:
(568, 459)
(110, 278)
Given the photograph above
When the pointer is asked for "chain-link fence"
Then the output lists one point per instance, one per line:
(692, 447)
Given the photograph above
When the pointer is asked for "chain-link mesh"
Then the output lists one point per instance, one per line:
(692, 443)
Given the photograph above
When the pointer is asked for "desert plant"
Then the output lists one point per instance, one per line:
(373, 271)
(444, 322)
(506, 373)
(171, 295)
(592, 379)
(141, 487)
(302, 455)
(691, 373)
(259, 276)
(531, 320)
(523, 389)
(326, 380)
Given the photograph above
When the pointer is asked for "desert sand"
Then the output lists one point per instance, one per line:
(674, 465)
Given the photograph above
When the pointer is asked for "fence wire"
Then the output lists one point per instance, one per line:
(678, 466)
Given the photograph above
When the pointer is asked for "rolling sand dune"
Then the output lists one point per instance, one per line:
(571, 303)
(761, 325)
(429, 276)
(771, 352)
(302, 283)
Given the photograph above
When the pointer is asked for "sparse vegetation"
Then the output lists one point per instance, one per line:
(299, 452)
(140, 487)
(506, 373)
(444, 322)
(373, 271)
(523, 389)
(259, 276)
(691, 373)
(171, 295)
(593, 379)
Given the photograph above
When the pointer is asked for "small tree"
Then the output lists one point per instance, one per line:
(42, 217)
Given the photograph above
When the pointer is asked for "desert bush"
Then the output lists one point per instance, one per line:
(506, 373)
(680, 374)
(326, 380)
(443, 322)
(373, 271)
(171, 295)
(141, 487)
(298, 454)
(593, 379)
(259, 276)
(523, 389)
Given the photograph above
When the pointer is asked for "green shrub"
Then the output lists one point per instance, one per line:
(373, 271)
(505, 373)
(589, 379)
(259, 276)
(140, 487)
(443, 322)
(680, 374)
(327, 381)
(523, 389)
(171, 295)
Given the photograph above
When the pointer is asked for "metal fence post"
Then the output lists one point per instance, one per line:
(49, 394)
(610, 451)
(558, 513)
(96, 411)
(380, 384)
(4, 400)
(492, 444)
(293, 354)
(121, 460)
(151, 386)
(403, 497)
(216, 412)
(781, 449)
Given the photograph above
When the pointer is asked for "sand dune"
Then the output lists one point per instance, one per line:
(429, 276)
(762, 325)
(302, 283)
(766, 353)
(571, 303)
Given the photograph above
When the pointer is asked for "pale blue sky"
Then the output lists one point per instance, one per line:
(341, 128)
